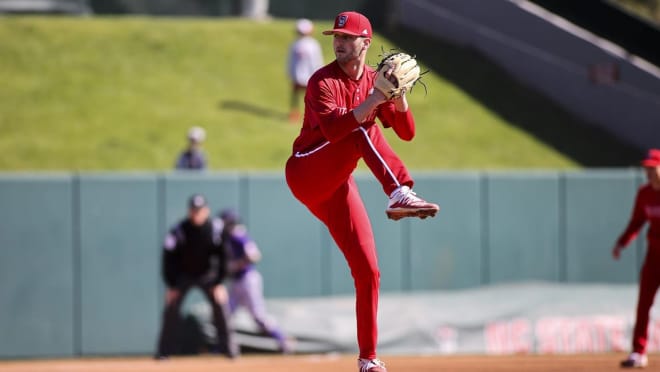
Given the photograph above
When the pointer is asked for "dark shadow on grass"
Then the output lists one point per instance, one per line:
(253, 109)
(519, 105)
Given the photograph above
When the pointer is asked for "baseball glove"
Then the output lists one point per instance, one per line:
(405, 73)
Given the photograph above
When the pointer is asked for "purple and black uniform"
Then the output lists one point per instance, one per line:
(246, 282)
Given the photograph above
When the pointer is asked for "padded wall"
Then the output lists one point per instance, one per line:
(37, 267)
(80, 254)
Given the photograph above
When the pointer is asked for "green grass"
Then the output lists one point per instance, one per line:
(120, 94)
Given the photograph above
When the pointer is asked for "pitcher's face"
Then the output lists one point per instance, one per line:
(349, 48)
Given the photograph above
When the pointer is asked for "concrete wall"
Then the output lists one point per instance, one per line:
(80, 253)
(554, 58)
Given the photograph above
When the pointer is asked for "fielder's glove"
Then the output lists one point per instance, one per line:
(405, 73)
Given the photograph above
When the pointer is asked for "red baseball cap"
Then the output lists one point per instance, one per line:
(351, 23)
(652, 158)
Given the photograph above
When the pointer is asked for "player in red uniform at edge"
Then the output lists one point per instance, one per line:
(338, 130)
(647, 208)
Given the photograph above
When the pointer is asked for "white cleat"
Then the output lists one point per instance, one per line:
(371, 365)
(405, 203)
(635, 360)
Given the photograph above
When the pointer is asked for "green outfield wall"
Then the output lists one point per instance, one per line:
(80, 252)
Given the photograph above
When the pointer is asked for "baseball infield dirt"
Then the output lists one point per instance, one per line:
(330, 363)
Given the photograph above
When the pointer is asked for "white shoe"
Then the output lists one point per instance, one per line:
(371, 365)
(405, 203)
(635, 360)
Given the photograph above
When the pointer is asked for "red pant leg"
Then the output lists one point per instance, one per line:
(322, 181)
(383, 162)
(346, 218)
(648, 286)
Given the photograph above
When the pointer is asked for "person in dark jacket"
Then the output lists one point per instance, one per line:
(193, 256)
(193, 157)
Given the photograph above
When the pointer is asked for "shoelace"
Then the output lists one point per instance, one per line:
(409, 197)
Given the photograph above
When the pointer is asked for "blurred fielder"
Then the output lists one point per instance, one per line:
(646, 209)
(246, 282)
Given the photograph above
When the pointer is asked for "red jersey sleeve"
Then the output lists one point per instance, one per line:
(636, 222)
(403, 123)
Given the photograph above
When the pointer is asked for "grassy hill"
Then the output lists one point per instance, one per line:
(120, 93)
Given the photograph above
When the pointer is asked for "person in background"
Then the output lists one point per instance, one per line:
(193, 156)
(646, 209)
(193, 256)
(255, 9)
(246, 282)
(305, 57)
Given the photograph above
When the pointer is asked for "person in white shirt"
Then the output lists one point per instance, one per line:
(305, 57)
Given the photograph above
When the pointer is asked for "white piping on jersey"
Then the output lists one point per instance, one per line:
(299, 154)
(373, 148)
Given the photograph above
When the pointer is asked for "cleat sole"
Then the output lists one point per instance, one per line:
(403, 213)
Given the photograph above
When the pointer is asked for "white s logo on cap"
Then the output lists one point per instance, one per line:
(342, 21)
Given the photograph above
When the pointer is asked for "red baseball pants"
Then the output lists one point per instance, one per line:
(649, 283)
(322, 180)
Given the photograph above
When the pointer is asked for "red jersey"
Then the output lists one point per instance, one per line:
(647, 208)
(329, 100)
